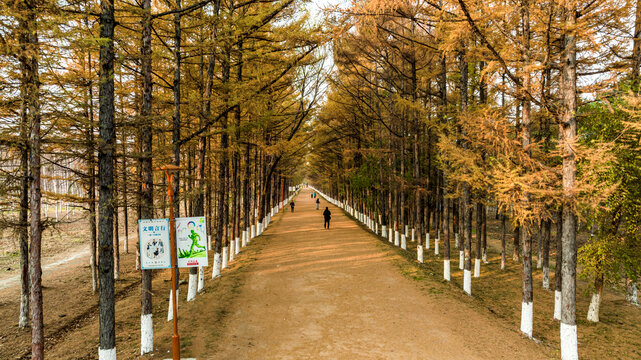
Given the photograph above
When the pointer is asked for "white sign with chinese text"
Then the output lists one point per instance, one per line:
(154, 244)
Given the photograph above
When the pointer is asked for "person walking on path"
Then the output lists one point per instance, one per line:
(292, 205)
(317, 203)
(327, 215)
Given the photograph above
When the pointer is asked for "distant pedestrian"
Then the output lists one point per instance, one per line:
(292, 205)
(328, 216)
(317, 203)
(311, 195)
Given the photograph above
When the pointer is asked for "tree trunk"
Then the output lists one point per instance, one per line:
(636, 47)
(91, 188)
(107, 348)
(146, 166)
(546, 254)
(116, 237)
(595, 303)
(503, 236)
(30, 48)
(568, 137)
(125, 204)
(515, 243)
(484, 234)
(176, 134)
(23, 226)
(557, 265)
(479, 239)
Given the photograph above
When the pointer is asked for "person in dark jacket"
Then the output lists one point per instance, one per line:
(317, 203)
(327, 215)
(292, 205)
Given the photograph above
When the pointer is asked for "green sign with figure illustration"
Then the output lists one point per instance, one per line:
(191, 241)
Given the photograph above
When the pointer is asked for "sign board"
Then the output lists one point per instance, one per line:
(191, 241)
(154, 244)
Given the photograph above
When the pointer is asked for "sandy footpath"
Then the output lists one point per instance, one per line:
(336, 294)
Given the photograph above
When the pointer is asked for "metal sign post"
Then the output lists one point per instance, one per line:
(175, 339)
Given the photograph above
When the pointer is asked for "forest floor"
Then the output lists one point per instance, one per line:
(299, 291)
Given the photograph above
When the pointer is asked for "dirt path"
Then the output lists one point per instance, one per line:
(48, 268)
(315, 293)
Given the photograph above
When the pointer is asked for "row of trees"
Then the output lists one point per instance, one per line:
(439, 110)
(110, 91)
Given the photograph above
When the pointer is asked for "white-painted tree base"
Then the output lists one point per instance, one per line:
(106, 354)
(384, 232)
(244, 238)
(23, 318)
(569, 349)
(593, 310)
(208, 242)
(146, 334)
(403, 242)
(557, 304)
(215, 271)
(467, 281)
(390, 237)
(461, 257)
(170, 309)
(632, 294)
(407, 230)
(477, 267)
(397, 238)
(446, 270)
(232, 251)
(237, 246)
(252, 232)
(225, 257)
(427, 241)
(546, 277)
(201, 278)
(192, 287)
(413, 234)
(419, 253)
(527, 318)
(484, 256)
(376, 228)
(436, 247)
(456, 243)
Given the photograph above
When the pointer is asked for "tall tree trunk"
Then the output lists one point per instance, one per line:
(636, 47)
(503, 236)
(23, 226)
(125, 204)
(223, 205)
(91, 188)
(107, 348)
(116, 237)
(466, 206)
(176, 136)
(568, 132)
(484, 235)
(516, 238)
(527, 308)
(146, 167)
(479, 239)
(29, 53)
